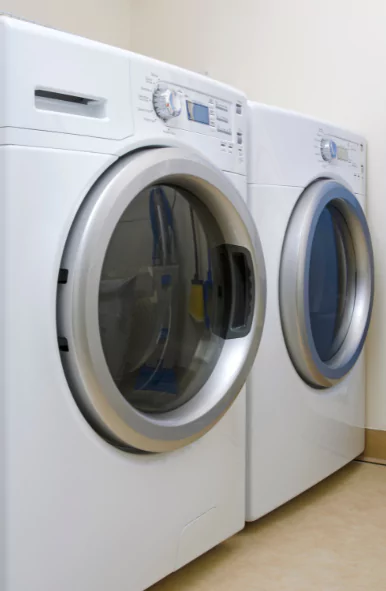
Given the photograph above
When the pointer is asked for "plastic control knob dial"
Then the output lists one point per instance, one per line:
(328, 150)
(167, 103)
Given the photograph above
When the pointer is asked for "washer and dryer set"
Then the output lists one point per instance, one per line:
(139, 203)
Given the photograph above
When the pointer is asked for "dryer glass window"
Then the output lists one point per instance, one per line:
(159, 310)
(331, 282)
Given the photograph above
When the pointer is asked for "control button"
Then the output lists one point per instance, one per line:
(239, 109)
(328, 150)
(221, 107)
(239, 138)
(222, 119)
(225, 130)
(167, 103)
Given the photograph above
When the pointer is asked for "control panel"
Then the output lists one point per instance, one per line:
(184, 108)
(290, 149)
(173, 102)
(333, 150)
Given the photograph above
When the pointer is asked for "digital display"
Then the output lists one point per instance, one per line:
(198, 113)
(342, 153)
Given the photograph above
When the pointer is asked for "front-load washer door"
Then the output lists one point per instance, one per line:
(326, 283)
(161, 300)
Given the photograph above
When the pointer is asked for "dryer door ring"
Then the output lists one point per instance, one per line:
(77, 311)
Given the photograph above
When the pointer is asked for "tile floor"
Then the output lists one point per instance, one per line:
(331, 538)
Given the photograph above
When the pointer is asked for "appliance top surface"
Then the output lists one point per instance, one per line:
(289, 149)
(91, 90)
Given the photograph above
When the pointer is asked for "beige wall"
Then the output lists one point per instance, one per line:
(103, 20)
(327, 59)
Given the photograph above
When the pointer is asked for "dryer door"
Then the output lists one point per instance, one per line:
(326, 283)
(161, 300)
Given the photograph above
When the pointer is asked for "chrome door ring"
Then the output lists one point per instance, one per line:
(84, 363)
(294, 284)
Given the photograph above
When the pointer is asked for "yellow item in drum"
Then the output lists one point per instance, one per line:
(196, 301)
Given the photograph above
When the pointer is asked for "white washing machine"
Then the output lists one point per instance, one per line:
(306, 391)
(132, 304)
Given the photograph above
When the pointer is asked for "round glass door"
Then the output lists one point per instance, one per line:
(332, 282)
(159, 312)
(326, 283)
(161, 300)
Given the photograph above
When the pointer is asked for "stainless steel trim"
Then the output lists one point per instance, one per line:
(294, 284)
(77, 308)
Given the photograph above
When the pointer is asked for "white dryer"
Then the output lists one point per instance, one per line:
(132, 303)
(306, 391)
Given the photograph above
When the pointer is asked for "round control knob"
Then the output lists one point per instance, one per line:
(167, 103)
(328, 150)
